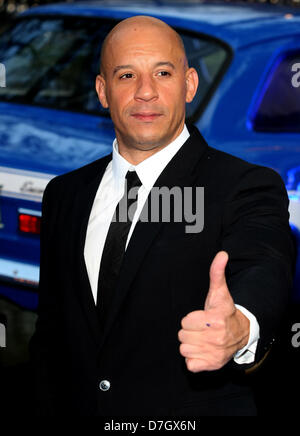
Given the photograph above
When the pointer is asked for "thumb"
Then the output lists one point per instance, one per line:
(218, 293)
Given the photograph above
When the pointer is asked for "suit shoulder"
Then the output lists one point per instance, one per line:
(228, 171)
(233, 168)
(72, 180)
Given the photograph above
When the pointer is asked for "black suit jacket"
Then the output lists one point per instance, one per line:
(164, 276)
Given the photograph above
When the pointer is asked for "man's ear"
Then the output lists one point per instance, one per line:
(101, 90)
(192, 80)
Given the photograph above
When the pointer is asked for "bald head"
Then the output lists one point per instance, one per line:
(145, 82)
(136, 25)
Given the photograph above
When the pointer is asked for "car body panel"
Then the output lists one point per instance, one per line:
(237, 25)
(52, 141)
(37, 143)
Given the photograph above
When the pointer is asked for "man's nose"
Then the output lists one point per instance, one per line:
(146, 88)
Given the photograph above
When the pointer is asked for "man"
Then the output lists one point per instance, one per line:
(160, 328)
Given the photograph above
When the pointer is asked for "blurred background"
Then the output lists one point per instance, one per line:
(8, 8)
(247, 54)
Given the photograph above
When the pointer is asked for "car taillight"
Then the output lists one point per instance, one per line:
(29, 223)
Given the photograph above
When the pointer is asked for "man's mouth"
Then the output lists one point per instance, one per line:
(146, 116)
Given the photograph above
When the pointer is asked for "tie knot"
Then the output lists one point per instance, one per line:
(132, 180)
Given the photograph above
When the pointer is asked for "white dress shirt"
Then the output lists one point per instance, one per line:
(110, 192)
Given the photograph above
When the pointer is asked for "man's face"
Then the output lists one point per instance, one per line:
(145, 85)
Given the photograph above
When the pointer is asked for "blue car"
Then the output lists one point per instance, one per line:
(51, 122)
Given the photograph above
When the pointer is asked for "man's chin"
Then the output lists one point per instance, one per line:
(148, 145)
(145, 142)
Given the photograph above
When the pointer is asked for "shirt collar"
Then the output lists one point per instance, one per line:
(149, 169)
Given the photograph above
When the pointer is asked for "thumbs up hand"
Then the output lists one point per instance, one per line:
(210, 337)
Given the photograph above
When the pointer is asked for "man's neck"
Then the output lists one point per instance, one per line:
(136, 155)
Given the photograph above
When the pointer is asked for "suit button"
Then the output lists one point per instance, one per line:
(104, 385)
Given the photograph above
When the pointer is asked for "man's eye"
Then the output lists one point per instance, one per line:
(126, 76)
(164, 73)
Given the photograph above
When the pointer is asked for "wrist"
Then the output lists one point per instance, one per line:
(243, 324)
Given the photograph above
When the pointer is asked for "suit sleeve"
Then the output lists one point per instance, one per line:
(258, 239)
(43, 343)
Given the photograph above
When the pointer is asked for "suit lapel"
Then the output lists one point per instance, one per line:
(82, 209)
(179, 172)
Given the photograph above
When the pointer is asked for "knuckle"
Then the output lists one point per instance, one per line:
(184, 322)
(220, 341)
(180, 335)
(221, 323)
(189, 364)
(218, 322)
(182, 349)
(192, 365)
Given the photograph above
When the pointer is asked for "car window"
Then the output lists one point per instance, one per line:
(278, 107)
(53, 62)
(209, 58)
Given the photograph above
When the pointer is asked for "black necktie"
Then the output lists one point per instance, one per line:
(115, 243)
